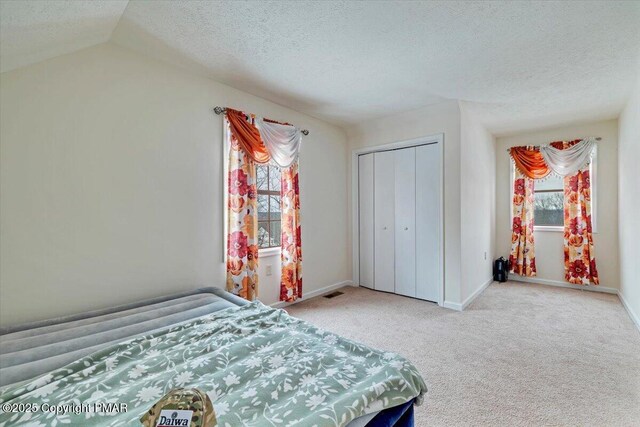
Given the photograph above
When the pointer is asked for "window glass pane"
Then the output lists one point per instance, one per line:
(261, 177)
(551, 182)
(275, 207)
(274, 178)
(263, 234)
(263, 207)
(275, 233)
(548, 208)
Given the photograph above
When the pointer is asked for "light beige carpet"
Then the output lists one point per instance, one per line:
(520, 355)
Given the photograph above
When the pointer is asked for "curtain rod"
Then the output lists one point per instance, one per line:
(597, 139)
(222, 110)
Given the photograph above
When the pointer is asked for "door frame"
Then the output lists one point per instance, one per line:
(355, 214)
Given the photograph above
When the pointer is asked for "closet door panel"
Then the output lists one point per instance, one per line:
(428, 211)
(384, 211)
(405, 221)
(365, 209)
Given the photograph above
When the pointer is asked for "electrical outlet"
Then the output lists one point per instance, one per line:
(269, 270)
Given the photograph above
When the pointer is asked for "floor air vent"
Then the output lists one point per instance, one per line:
(333, 294)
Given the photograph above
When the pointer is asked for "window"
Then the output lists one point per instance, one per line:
(268, 183)
(548, 208)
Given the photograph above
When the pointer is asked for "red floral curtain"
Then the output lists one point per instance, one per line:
(246, 148)
(291, 255)
(522, 258)
(242, 244)
(579, 257)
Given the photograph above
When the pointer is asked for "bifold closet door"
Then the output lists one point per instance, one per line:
(428, 211)
(384, 221)
(365, 220)
(405, 221)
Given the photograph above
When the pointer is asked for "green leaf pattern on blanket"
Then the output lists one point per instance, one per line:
(259, 366)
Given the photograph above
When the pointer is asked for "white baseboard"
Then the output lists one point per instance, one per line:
(317, 292)
(634, 317)
(592, 288)
(460, 307)
(477, 293)
(452, 305)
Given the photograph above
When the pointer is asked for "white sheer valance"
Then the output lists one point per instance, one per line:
(569, 160)
(282, 141)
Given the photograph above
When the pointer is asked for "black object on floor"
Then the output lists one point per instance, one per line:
(397, 416)
(501, 270)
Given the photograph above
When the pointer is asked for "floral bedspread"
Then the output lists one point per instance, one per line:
(259, 366)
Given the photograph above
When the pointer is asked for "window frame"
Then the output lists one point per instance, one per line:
(593, 169)
(548, 227)
(269, 250)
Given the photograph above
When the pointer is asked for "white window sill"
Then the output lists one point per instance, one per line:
(268, 252)
(555, 228)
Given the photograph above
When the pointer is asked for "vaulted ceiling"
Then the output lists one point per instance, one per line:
(31, 31)
(519, 65)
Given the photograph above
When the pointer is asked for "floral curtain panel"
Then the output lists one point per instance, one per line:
(291, 255)
(242, 242)
(254, 140)
(569, 159)
(579, 258)
(522, 259)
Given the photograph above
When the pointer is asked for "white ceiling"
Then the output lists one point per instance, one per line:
(32, 30)
(519, 65)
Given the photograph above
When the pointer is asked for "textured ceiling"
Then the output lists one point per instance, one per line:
(518, 64)
(31, 31)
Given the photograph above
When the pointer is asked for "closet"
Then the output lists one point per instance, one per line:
(399, 220)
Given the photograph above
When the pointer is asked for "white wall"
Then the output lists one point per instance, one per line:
(549, 244)
(440, 118)
(111, 185)
(629, 204)
(478, 203)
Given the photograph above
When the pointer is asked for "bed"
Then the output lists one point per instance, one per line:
(258, 365)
